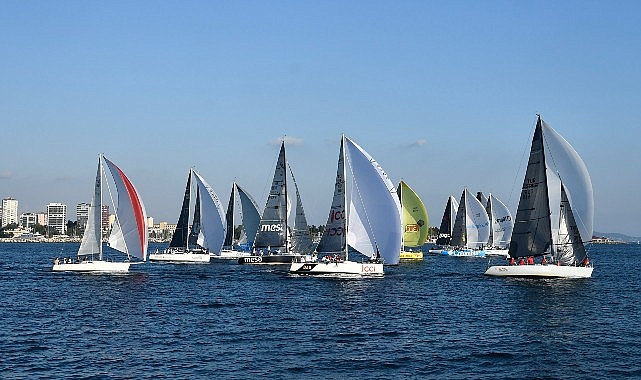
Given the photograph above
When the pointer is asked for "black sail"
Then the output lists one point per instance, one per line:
(181, 233)
(532, 234)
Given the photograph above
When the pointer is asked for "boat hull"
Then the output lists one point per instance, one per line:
(92, 266)
(539, 271)
(497, 253)
(273, 259)
(409, 255)
(184, 257)
(229, 255)
(341, 267)
(459, 252)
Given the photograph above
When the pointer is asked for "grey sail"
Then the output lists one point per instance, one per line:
(569, 248)
(229, 218)
(250, 216)
(301, 240)
(459, 237)
(272, 229)
(181, 233)
(532, 234)
(91, 243)
(334, 235)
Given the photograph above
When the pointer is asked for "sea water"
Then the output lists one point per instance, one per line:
(439, 318)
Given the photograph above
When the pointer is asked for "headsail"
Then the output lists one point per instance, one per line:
(502, 224)
(301, 241)
(213, 228)
(375, 211)
(229, 218)
(196, 232)
(250, 215)
(414, 217)
(130, 232)
(569, 248)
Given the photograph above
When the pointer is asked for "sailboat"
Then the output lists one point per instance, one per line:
(415, 223)
(471, 228)
(372, 227)
(129, 233)
(501, 227)
(250, 219)
(555, 212)
(446, 227)
(275, 243)
(207, 230)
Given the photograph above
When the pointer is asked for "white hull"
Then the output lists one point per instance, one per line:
(229, 255)
(92, 266)
(459, 252)
(538, 270)
(497, 253)
(180, 257)
(341, 267)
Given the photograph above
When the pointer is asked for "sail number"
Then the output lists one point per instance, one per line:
(412, 228)
(368, 268)
(336, 215)
(335, 231)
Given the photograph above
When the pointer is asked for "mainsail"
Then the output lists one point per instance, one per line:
(181, 233)
(375, 211)
(447, 222)
(334, 235)
(91, 243)
(272, 230)
(414, 217)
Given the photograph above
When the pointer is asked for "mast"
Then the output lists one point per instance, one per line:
(287, 237)
(345, 208)
(100, 207)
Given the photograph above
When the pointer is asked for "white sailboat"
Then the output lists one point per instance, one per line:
(555, 213)
(446, 227)
(415, 223)
(275, 243)
(501, 228)
(129, 233)
(207, 231)
(471, 228)
(250, 220)
(372, 226)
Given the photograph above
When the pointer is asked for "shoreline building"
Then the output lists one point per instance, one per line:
(57, 218)
(9, 211)
(28, 220)
(82, 215)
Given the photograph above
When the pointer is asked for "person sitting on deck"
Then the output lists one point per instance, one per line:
(544, 261)
(530, 260)
(512, 261)
(585, 262)
(521, 261)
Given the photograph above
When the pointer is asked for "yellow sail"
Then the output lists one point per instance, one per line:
(414, 217)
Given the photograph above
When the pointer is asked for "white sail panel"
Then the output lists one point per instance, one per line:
(502, 223)
(92, 237)
(249, 214)
(130, 232)
(377, 205)
(477, 222)
(213, 224)
(562, 159)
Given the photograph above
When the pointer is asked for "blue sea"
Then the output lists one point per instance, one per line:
(436, 319)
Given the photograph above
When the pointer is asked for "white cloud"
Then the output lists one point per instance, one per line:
(289, 140)
(418, 143)
(5, 174)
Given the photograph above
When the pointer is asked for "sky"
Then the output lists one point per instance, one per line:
(443, 94)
